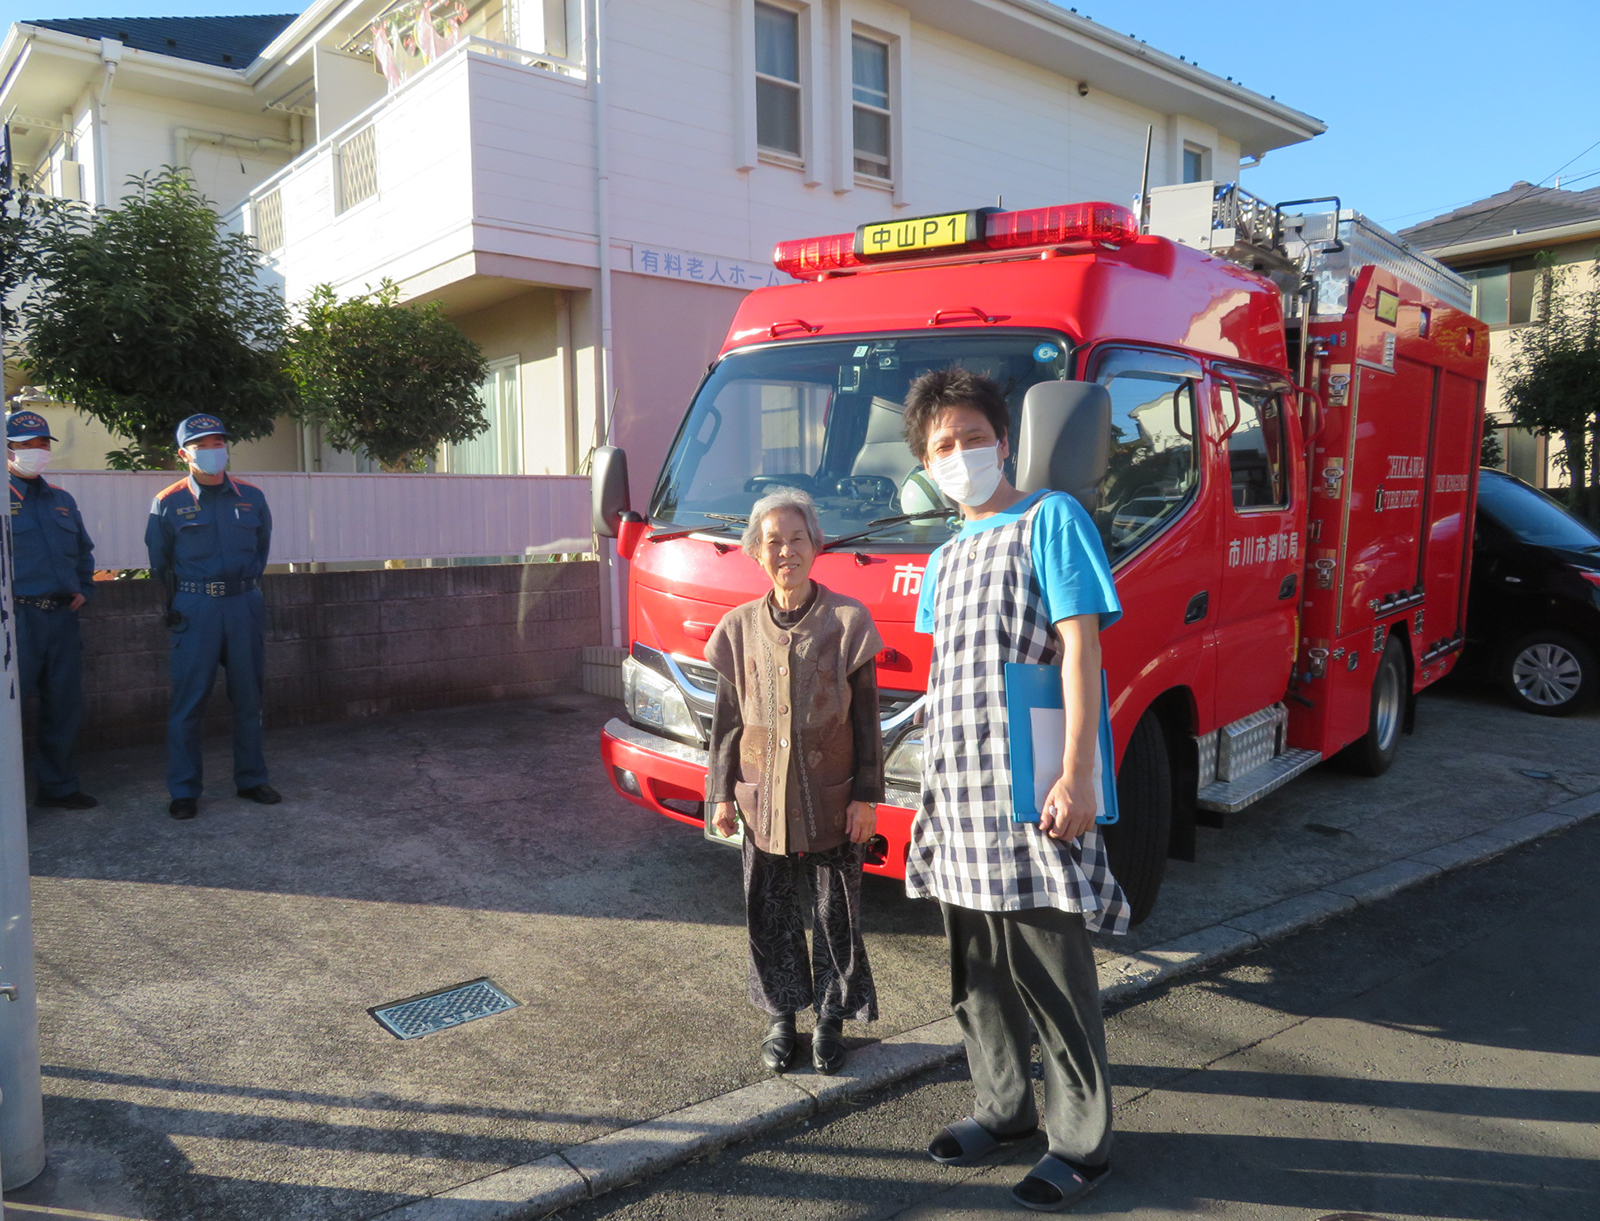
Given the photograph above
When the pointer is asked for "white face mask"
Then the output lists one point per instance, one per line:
(968, 476)
(212, 461)
(29, 461)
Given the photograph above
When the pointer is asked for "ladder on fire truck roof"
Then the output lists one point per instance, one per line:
(1299, 245)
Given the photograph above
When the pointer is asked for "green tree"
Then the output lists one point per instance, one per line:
(25, 220)
(149, 312)
(394, 381)
(1551, 380)
(1491, 452)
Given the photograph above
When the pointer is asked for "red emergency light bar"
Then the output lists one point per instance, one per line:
(895, 241)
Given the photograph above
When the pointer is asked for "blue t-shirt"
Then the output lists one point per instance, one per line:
(1068, 559)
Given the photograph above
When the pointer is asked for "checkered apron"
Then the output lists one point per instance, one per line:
(965, 848)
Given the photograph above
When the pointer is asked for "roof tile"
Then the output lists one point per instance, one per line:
(1521, 208)
(227, 42)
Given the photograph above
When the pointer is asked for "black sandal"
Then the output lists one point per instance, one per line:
(1054, 1184)
(967, 1140)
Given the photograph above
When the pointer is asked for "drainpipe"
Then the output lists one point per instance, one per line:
(110, 56)
(594, 34)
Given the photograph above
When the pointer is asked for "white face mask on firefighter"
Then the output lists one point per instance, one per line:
(29, 461)
(968, 476)
(211, 461)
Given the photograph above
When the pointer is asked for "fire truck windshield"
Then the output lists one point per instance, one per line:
(826, 416)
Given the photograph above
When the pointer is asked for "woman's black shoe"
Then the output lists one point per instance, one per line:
(778, 1047)
(827, 1047)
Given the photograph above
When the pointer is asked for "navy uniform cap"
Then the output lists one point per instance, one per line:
(24, 425)
(197, 426)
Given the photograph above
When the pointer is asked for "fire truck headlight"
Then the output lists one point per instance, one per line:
(904, 767)
(654, 700)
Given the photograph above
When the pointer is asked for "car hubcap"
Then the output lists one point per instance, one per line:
(1388, 719)
(1547, 675)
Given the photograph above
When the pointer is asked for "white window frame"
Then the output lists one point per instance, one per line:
(787, 156)
(892, 27)
(747, 152)
(506, 370)
(1204, 155)
(887, 178)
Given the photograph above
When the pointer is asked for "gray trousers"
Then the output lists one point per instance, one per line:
(1010, 969)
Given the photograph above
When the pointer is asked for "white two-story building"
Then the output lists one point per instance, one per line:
(589, 186)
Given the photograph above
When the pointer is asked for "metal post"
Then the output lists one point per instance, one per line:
(21, 1094)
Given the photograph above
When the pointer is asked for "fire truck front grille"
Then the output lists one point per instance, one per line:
(699, 673)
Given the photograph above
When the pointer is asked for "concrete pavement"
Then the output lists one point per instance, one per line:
(204, 986)
(1431, 1056)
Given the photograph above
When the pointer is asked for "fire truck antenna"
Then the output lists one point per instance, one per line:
(1144, 181)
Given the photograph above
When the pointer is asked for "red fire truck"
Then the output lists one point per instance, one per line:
(1272, 412)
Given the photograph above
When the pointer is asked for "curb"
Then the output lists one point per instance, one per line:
(586, 1171)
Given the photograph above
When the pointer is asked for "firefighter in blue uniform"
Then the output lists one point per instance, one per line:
(54, 576)
(208, 538)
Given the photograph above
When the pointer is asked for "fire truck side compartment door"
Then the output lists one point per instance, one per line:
(1452, 468)
(1386, 478)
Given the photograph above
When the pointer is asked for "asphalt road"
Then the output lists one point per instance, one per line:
(204, 986)
(1433, 1056)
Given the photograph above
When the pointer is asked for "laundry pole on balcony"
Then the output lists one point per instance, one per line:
(605, 409)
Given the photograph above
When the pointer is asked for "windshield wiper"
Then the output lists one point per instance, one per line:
(730, 519)
(884, 523)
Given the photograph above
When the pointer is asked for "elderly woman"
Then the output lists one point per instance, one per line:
(797, 755)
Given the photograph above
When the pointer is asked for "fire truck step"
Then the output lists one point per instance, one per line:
(1231, 796)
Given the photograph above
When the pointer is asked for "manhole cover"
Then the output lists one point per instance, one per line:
(1350, 1217)
(420, 1015)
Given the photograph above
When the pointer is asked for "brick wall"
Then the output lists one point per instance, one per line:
(351, 644)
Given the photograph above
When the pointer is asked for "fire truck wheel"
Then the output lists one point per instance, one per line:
(1548, 672)
(1371, 754)
(1137, 841)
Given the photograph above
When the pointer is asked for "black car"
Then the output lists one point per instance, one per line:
(1533, 615)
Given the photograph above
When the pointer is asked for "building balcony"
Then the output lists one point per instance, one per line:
(480, 165)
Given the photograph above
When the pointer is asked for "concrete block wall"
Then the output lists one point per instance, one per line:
(352, 644)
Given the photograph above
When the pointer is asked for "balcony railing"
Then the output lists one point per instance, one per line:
(298, 215)
(355, 166)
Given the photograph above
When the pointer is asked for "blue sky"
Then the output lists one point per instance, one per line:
(1428, 106)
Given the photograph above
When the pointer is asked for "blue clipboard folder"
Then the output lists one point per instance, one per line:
(1036, 717)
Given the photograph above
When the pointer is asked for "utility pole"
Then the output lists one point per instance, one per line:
(21, 1093)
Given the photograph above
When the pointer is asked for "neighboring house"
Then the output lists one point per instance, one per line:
(1495, 243)
(589, 189)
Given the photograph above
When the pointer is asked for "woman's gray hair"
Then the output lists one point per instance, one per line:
(780, 498)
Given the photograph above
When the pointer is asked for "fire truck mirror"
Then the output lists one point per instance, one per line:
(608, 490)
(1063, 439)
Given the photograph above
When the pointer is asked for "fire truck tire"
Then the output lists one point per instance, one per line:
(1137, 842)
(1374, 752)
(1548, 672)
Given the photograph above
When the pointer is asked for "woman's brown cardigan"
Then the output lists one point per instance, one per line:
(797, 763)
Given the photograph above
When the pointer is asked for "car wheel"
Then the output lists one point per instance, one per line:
(1374, 752)
(1548, 672)
(1137, 842)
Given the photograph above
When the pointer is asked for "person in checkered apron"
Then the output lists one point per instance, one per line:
(1024, 580)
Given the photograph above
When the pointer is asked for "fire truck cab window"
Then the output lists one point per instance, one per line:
(1255, 447)
(827, 416)
(1152, 472)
